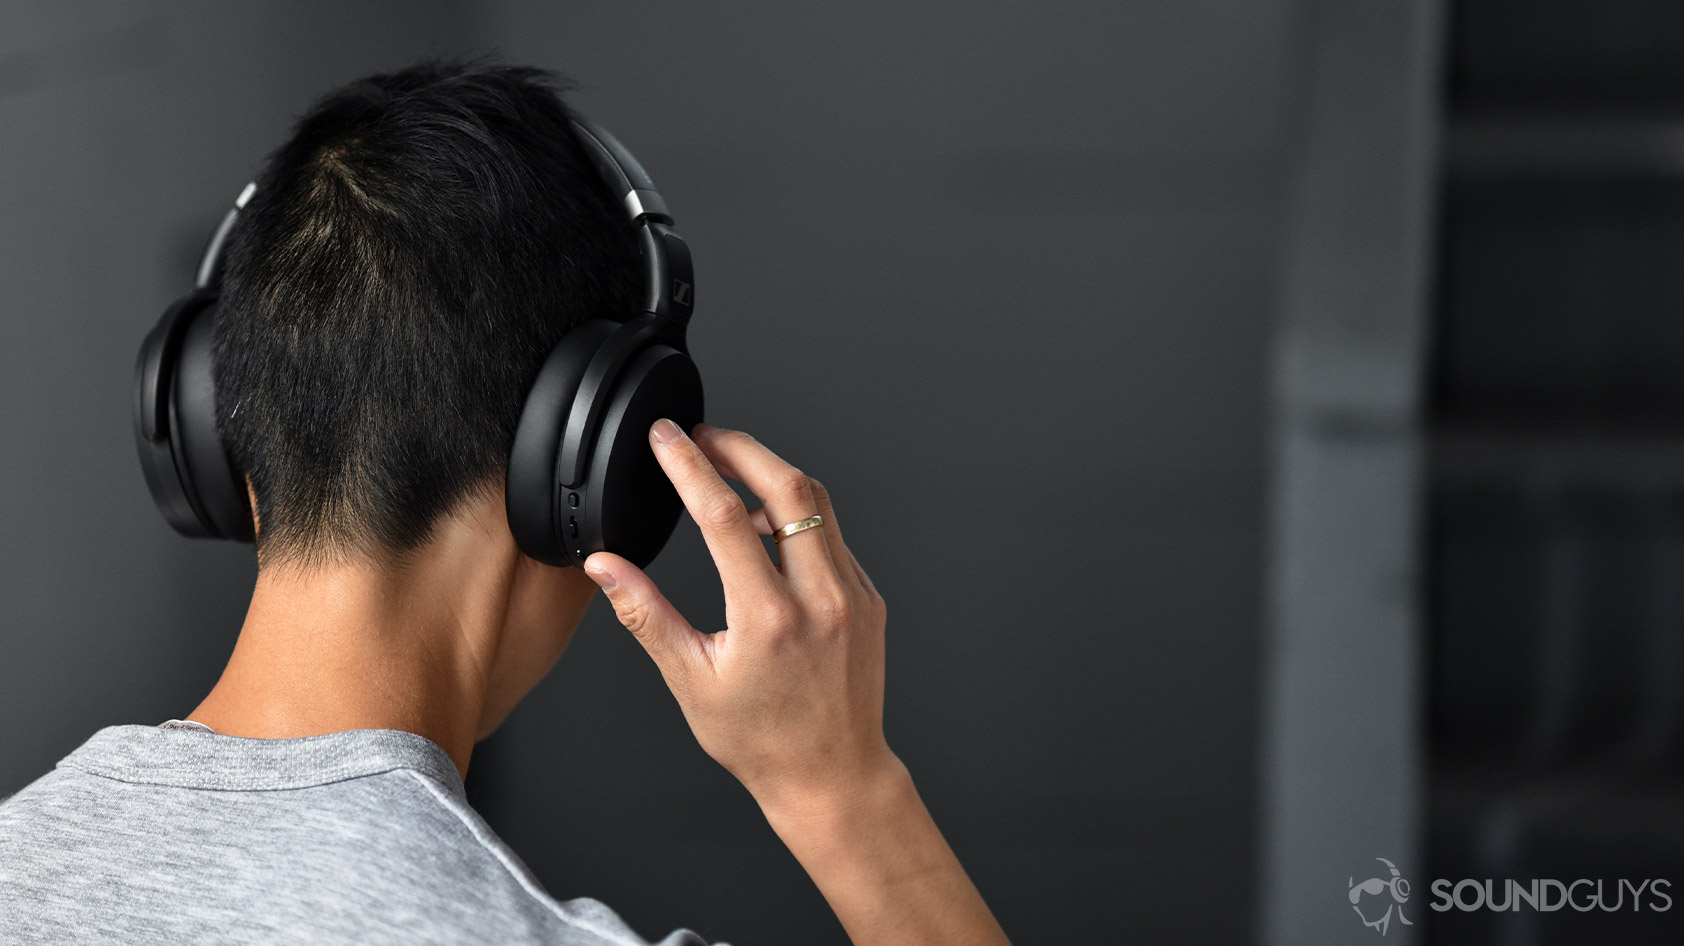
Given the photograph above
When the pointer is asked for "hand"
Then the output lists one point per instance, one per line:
(789, 696)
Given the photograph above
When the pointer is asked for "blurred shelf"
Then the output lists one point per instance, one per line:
(1633, 459)
(1501, 144)
(1511, 819)
(1461, 777)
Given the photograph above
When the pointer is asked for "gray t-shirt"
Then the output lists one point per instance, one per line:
(152, 835)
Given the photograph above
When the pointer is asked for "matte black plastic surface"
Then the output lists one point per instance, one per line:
(529, 486)
(617, 166)
(154, 385)
(628, 506)
(669, 284)
(584, 418)
(218, 493)
(157, 359)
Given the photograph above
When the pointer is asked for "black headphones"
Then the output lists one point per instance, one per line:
(581, 477)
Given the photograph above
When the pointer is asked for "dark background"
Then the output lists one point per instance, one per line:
(1263, 419)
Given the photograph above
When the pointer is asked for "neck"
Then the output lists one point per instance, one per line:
(361, 646)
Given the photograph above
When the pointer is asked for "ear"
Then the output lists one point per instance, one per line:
(251, 496)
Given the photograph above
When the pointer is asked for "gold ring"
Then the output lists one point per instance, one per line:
(797, 526)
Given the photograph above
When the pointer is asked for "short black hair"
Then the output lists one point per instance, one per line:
(411, 255)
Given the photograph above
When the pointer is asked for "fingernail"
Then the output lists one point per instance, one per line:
(666, 431)
(603, 578)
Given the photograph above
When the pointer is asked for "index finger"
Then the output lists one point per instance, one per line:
(719, 512)
(789, 495)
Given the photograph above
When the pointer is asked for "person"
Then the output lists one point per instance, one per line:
(409, 257)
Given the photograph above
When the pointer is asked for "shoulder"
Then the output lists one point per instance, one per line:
(393, 854)
(36, 802)
(496, 880)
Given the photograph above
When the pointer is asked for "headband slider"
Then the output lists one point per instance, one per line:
(643, 203)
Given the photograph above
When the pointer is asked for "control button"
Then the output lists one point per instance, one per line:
(572, 527)
(573, 500)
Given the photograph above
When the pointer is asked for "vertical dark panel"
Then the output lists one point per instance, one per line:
(1559, 463)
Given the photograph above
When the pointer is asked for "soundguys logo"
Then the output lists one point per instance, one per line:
(1539, 894)
(1374, 886)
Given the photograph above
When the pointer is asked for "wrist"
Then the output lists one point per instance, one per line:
(872, 849)
(868, 796)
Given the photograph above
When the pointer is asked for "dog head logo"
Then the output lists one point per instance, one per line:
(1374, 887)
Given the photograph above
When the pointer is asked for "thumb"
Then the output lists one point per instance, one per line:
(670, 640)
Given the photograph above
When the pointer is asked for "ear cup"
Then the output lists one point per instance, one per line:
(219, 492)
(621, 501)
(187, 471)
(529, 487)
(627, 505)
(153, 382)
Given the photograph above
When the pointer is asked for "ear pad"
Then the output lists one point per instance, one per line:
(186, 469)
(199, 453)
(624, 504)
(154, 380)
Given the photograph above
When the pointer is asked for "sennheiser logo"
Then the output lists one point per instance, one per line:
(680, 292)
(1375, 887)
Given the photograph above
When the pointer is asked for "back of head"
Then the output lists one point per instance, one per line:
(410, 256)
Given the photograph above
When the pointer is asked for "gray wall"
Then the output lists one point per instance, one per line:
(1000, 275)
